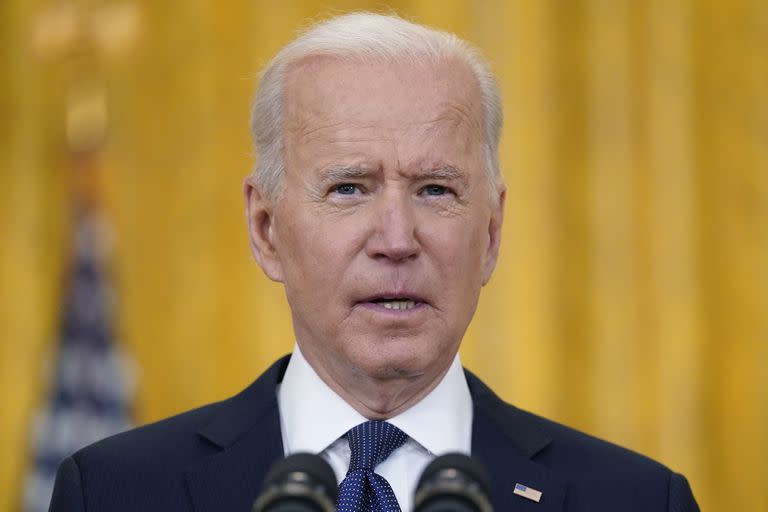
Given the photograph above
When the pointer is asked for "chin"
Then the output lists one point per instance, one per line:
(388, 369)
(394, 364)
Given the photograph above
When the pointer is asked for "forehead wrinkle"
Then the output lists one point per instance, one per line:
(304, 130)
(457, 113)
(455, 122)
(338, 132)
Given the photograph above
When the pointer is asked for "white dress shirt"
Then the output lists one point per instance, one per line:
(313, 418)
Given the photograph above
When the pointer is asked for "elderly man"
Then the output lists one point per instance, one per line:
(377, 202)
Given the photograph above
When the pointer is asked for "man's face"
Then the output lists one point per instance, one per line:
(384, 232)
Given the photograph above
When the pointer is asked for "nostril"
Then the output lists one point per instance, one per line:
(396, 255)
(395, 249)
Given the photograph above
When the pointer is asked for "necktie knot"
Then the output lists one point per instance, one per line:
(372, 442)
(363, 490)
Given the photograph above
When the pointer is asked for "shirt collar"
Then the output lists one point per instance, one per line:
(313, 416)
(442, 421)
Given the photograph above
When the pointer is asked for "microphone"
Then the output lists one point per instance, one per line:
(302, 482)
(453, 483)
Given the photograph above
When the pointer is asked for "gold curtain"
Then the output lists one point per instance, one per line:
(631, 299)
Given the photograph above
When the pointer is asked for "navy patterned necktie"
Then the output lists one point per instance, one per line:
(362, 490)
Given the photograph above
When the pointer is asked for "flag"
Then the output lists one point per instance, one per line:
(91, 380)
(527, 492)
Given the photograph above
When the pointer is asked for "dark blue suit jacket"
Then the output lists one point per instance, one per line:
(214, 459)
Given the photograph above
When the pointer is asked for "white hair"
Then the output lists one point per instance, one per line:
(366, 37)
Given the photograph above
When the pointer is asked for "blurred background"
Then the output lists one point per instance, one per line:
(631, 300)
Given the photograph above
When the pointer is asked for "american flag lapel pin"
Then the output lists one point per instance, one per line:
(527, 492)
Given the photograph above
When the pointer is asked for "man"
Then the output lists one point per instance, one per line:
(377, 202)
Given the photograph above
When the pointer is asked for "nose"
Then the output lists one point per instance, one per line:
(394, 236)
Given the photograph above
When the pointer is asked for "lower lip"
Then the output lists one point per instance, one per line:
(379, 308)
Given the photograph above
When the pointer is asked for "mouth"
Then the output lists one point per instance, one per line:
(394, 302)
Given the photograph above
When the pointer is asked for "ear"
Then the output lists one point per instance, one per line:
(494, 233)
(259, 212)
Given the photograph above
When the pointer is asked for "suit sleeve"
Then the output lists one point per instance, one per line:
(680, 495)
(68, 489)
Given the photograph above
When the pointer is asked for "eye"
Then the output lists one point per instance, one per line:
(346, 189)
(436, 190)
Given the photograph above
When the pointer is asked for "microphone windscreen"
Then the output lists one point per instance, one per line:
(299, 482)
(460, 462)
(453, 482)
(313, 465)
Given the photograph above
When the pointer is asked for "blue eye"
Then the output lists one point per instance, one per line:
(346, 189)
(435, 190)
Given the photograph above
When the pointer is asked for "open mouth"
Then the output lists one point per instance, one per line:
(396, 303)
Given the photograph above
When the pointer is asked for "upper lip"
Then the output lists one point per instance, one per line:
(402, 295)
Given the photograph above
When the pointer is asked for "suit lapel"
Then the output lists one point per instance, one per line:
(247, 430)
(505, 441)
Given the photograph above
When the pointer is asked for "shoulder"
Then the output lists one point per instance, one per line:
(550, 442)
(598, 475)
(173, 440)
(592, 456)
(601, 474)
(145, 468)
(141, 469)
(178, 439)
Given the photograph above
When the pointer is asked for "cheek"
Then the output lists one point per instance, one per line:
(318, 249)
(461, 251)
(292, 243)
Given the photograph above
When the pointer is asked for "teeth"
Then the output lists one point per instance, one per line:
(399, 304)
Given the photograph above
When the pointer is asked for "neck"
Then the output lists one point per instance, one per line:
(375, 397)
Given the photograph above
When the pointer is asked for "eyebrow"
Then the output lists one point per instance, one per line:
(339, 173)
(342, 172)
(445, 173)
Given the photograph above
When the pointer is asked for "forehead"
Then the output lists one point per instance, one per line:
(326, 92)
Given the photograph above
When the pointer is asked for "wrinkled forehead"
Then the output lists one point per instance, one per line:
(387, 94)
